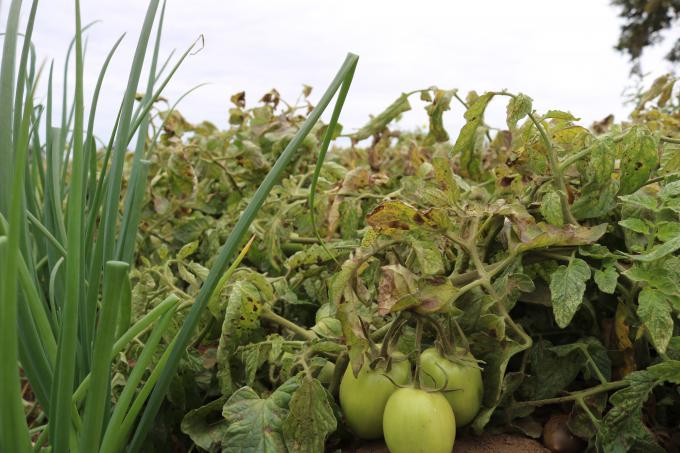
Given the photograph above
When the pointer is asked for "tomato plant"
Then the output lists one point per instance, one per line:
(363, 397)
(463, 378)
(418, 421)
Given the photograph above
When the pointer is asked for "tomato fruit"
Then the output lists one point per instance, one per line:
(417, 421)
(465, 387)
(363, 398)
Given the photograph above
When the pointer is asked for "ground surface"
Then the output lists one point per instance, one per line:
(488, 443)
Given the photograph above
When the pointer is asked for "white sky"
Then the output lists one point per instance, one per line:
(559, 53)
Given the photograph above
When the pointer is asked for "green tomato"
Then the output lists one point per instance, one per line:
(363, 398)
(417, 421)
(465, 387)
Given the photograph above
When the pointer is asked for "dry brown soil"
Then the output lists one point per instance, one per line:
(488, 443)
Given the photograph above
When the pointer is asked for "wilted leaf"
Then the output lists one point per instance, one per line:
(378, 123)
(465, 143)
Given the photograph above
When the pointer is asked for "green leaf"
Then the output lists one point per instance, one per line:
(205, 425)
(255, 423)
(639, 158)
(187, 250)
(344, 299)
(655, 311)
(658, 251)
(594, 354)
(429, 257)
(496, 356)
(559, 115)
(622, 426)
(551, 209)
(310, 419)
(670, 190)
(465, 143)
(567, 286)
(665, 231)
(551, 370)
(637, 225)
(663, 275)
(606, 278)
(640, 199)
(518, 107)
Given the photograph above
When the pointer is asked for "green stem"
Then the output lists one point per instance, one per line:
(283, 322)
(574, 396)
(675, 141)
(558, 175)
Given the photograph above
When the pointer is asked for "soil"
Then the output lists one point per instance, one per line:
(487, 443)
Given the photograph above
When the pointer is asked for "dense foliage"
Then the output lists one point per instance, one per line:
(644, 23)
(547, 249)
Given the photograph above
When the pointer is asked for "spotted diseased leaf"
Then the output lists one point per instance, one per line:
(551, 209)
(606, 278)
(310, 419)
(398, 287)
(534, 235)
(567, 287)
(598, 188)
(655, 311)
(379, 122)
(470, 162)
(436, 109)
(241, 319)
(639, 158)
(435, 295)
(393, 217)
(518, 107)
(445, 178)
(255, 423)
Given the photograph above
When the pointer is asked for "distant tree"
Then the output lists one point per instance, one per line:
(644, 22)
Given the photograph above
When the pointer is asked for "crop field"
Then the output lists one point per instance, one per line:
(279, 284)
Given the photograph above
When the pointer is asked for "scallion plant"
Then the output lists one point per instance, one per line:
(67, 241)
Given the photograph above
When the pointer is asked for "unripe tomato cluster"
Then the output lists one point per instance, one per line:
(412, 419)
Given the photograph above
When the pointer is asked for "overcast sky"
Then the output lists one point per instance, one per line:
(559, 53)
